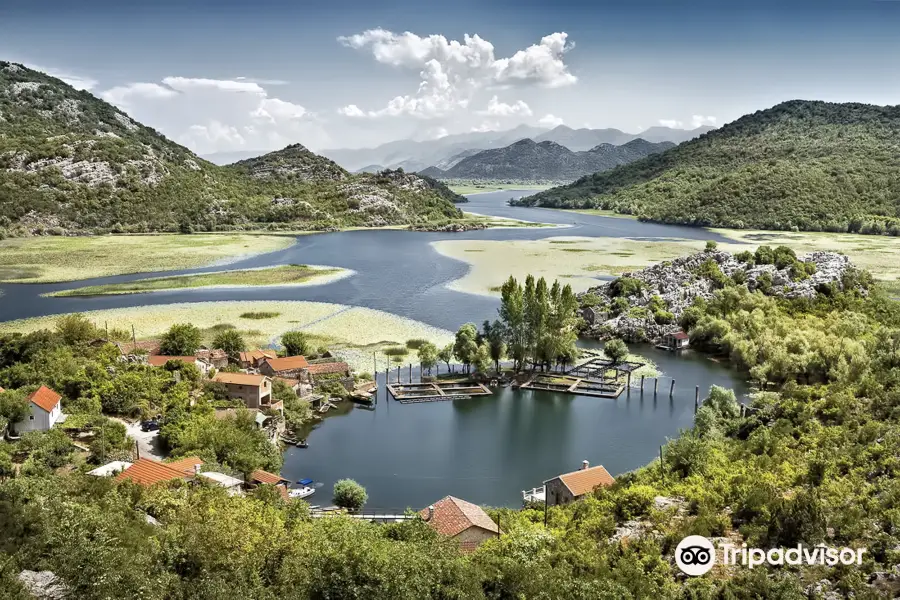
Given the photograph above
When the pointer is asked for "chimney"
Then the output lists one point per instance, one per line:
(584, 465)
(196, 469)
(430, 513)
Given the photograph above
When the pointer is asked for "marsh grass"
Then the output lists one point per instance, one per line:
(280, 275)
(259, 315)
(52, 259)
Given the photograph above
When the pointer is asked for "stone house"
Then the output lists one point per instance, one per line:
(255, 391)
(45, 411)
(569, 487)
(593, 315)
(289, 366)
(217, 358)
(327, 371)
(462, 521)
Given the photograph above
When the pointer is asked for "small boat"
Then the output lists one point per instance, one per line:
(302, 444)
(303, 492)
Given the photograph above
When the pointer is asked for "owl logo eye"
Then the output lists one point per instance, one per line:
(695, 555)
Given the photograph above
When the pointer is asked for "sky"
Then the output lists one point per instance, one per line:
(227, 76)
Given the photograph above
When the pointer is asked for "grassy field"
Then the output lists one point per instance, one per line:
(481, 188)
(280, 275)
(578, 261)
(51, 259)
(354, 333)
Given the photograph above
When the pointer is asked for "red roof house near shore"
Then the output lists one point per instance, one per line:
(148, 472)
(46, 411)
(462, 521)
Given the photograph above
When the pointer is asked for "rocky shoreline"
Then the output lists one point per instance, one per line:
(646, 305)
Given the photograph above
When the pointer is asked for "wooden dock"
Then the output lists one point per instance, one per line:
(410, 393)
(598, 376)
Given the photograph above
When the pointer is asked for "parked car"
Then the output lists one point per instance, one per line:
(151, 425)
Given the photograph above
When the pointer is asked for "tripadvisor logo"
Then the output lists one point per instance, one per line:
(696, 555)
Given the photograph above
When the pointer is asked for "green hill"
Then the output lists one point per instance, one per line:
(70, 163)
(802, 164)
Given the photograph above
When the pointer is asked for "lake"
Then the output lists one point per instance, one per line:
(485, 450)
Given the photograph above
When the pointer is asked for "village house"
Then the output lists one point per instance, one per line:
(260, 477)
(233, 485)
(45, 411)
(255, 391)
(160, 360)
(327, 370)
(218, 359)
(593, 315)
(677, 340)
(254, 358)
(289, 366)
(148, 472)
(462, 521)
(569, 487)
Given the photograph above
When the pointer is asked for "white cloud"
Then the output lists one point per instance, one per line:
(451, 72)
(120, 95)
(496, 108)
(486, 126)
(219, 115)
(79, 82)
(549, 120)
(700, 120)
(671, 123)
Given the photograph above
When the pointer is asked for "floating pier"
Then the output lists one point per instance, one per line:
(409, 393)
(598, 377)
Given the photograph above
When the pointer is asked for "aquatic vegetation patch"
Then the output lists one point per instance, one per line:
(48, 259)
(259, 315)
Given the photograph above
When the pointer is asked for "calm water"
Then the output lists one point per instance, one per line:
(484, 450)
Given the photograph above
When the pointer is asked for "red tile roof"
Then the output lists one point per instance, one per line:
(288, 363)
(148, 472)
(185, 465)
(680, 335)
(330, 367)
(260, 476)
(584, 481)
(216, 354)
(45, 398)
(160, 360)
(239, 378)
(452, 516)
(2, 390)
(254, 355)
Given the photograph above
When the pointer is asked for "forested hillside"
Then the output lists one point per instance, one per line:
(805, 165)
(70, 163)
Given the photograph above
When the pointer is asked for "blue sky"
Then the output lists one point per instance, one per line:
(628, 65)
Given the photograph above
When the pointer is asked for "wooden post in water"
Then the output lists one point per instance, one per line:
(387, 376)
(696, 405)
(743, 410)
(375, 367)
(655, 385)
(672, 389)
(697, 395)
(642, 384)
(398, 375)
(629, 380)
(660, 457)
(410, 372)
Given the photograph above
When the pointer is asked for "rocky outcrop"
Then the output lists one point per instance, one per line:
(659, 295)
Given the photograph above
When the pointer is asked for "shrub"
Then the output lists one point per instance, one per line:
(416, 343)
(625, 286)
(396, 351)
(296, 343)
(349, 494)
(711, 245)
(259, 315)
(615, 350)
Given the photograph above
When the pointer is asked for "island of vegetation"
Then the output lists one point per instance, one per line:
(267, 276)
(801, 165)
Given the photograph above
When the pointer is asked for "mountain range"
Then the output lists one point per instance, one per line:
(72, 163)
(806, 165)
(544, 161)
(417, 155)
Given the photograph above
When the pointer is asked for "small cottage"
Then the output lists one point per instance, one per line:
(677, 340)
(46, 411)
(260, 477)
(255, 391)
(288, 366)
(319, 372)
(569, 487)
(148, 472)
(218, 358)
(462, 521)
